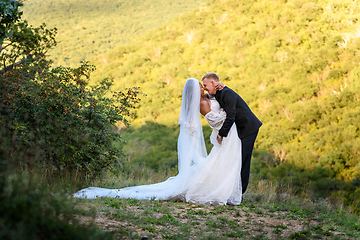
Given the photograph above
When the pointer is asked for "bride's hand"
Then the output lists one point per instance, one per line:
(220, 86)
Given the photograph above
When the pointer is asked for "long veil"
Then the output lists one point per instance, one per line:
(191, 151)
(191, 144)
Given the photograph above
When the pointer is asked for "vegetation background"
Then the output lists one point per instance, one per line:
(295, 63)
(90, 28)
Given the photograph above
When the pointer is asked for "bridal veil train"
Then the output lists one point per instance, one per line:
(202, 179)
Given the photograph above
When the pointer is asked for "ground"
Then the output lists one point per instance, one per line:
(132, 219)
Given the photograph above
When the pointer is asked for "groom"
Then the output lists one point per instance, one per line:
(237, 111)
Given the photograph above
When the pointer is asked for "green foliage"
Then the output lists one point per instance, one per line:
(295, 63)
(50, 116)
(54, 118)
(21, 43)
(30, 211)
(91, 28)
(9, 10)
(152, 145)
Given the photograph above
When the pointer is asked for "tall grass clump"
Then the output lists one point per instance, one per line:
(270, 176)
(29, 210)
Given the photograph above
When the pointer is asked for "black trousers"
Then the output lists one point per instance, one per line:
(247, 145)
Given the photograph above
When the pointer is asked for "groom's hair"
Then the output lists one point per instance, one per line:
(211, 75)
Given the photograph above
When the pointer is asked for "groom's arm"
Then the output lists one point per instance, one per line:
(229, 100)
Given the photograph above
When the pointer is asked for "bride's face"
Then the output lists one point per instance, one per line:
(201, 89)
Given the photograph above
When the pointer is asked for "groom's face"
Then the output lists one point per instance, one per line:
(209, 85)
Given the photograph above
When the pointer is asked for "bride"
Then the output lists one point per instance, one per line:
(202, 178)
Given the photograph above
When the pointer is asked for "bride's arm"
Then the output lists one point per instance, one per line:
(216, 119)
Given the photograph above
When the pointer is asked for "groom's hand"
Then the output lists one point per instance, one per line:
(219, 139)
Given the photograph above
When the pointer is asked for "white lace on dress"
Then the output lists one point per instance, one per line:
(216, 116)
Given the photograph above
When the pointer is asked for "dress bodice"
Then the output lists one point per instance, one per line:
(216, 116)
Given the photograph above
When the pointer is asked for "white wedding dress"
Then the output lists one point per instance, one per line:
(202, 179)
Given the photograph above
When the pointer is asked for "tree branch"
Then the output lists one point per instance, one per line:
(7, 68)
(2, 48)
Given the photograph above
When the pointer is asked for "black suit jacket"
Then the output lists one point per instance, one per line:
(236, 111)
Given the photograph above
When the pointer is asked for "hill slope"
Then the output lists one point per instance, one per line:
(294, 62)
(87, 28)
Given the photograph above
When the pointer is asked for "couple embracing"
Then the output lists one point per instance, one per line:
(218, 178)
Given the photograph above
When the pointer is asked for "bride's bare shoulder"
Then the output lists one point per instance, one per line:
(205, 105)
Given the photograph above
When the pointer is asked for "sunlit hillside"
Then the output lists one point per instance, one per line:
(295, 62)
(88, 28)
(63, 129)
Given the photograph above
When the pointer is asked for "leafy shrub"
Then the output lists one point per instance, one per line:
(50, 116)
(337, 73)
(29, 212)
(54, 118)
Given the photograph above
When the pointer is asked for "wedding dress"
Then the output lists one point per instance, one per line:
(202, 179)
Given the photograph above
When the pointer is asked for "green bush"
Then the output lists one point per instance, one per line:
(29, 211)
(53, 118)
(49, 116)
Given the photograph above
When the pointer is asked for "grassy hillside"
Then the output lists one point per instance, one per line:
(88, 28)
(295, 62)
